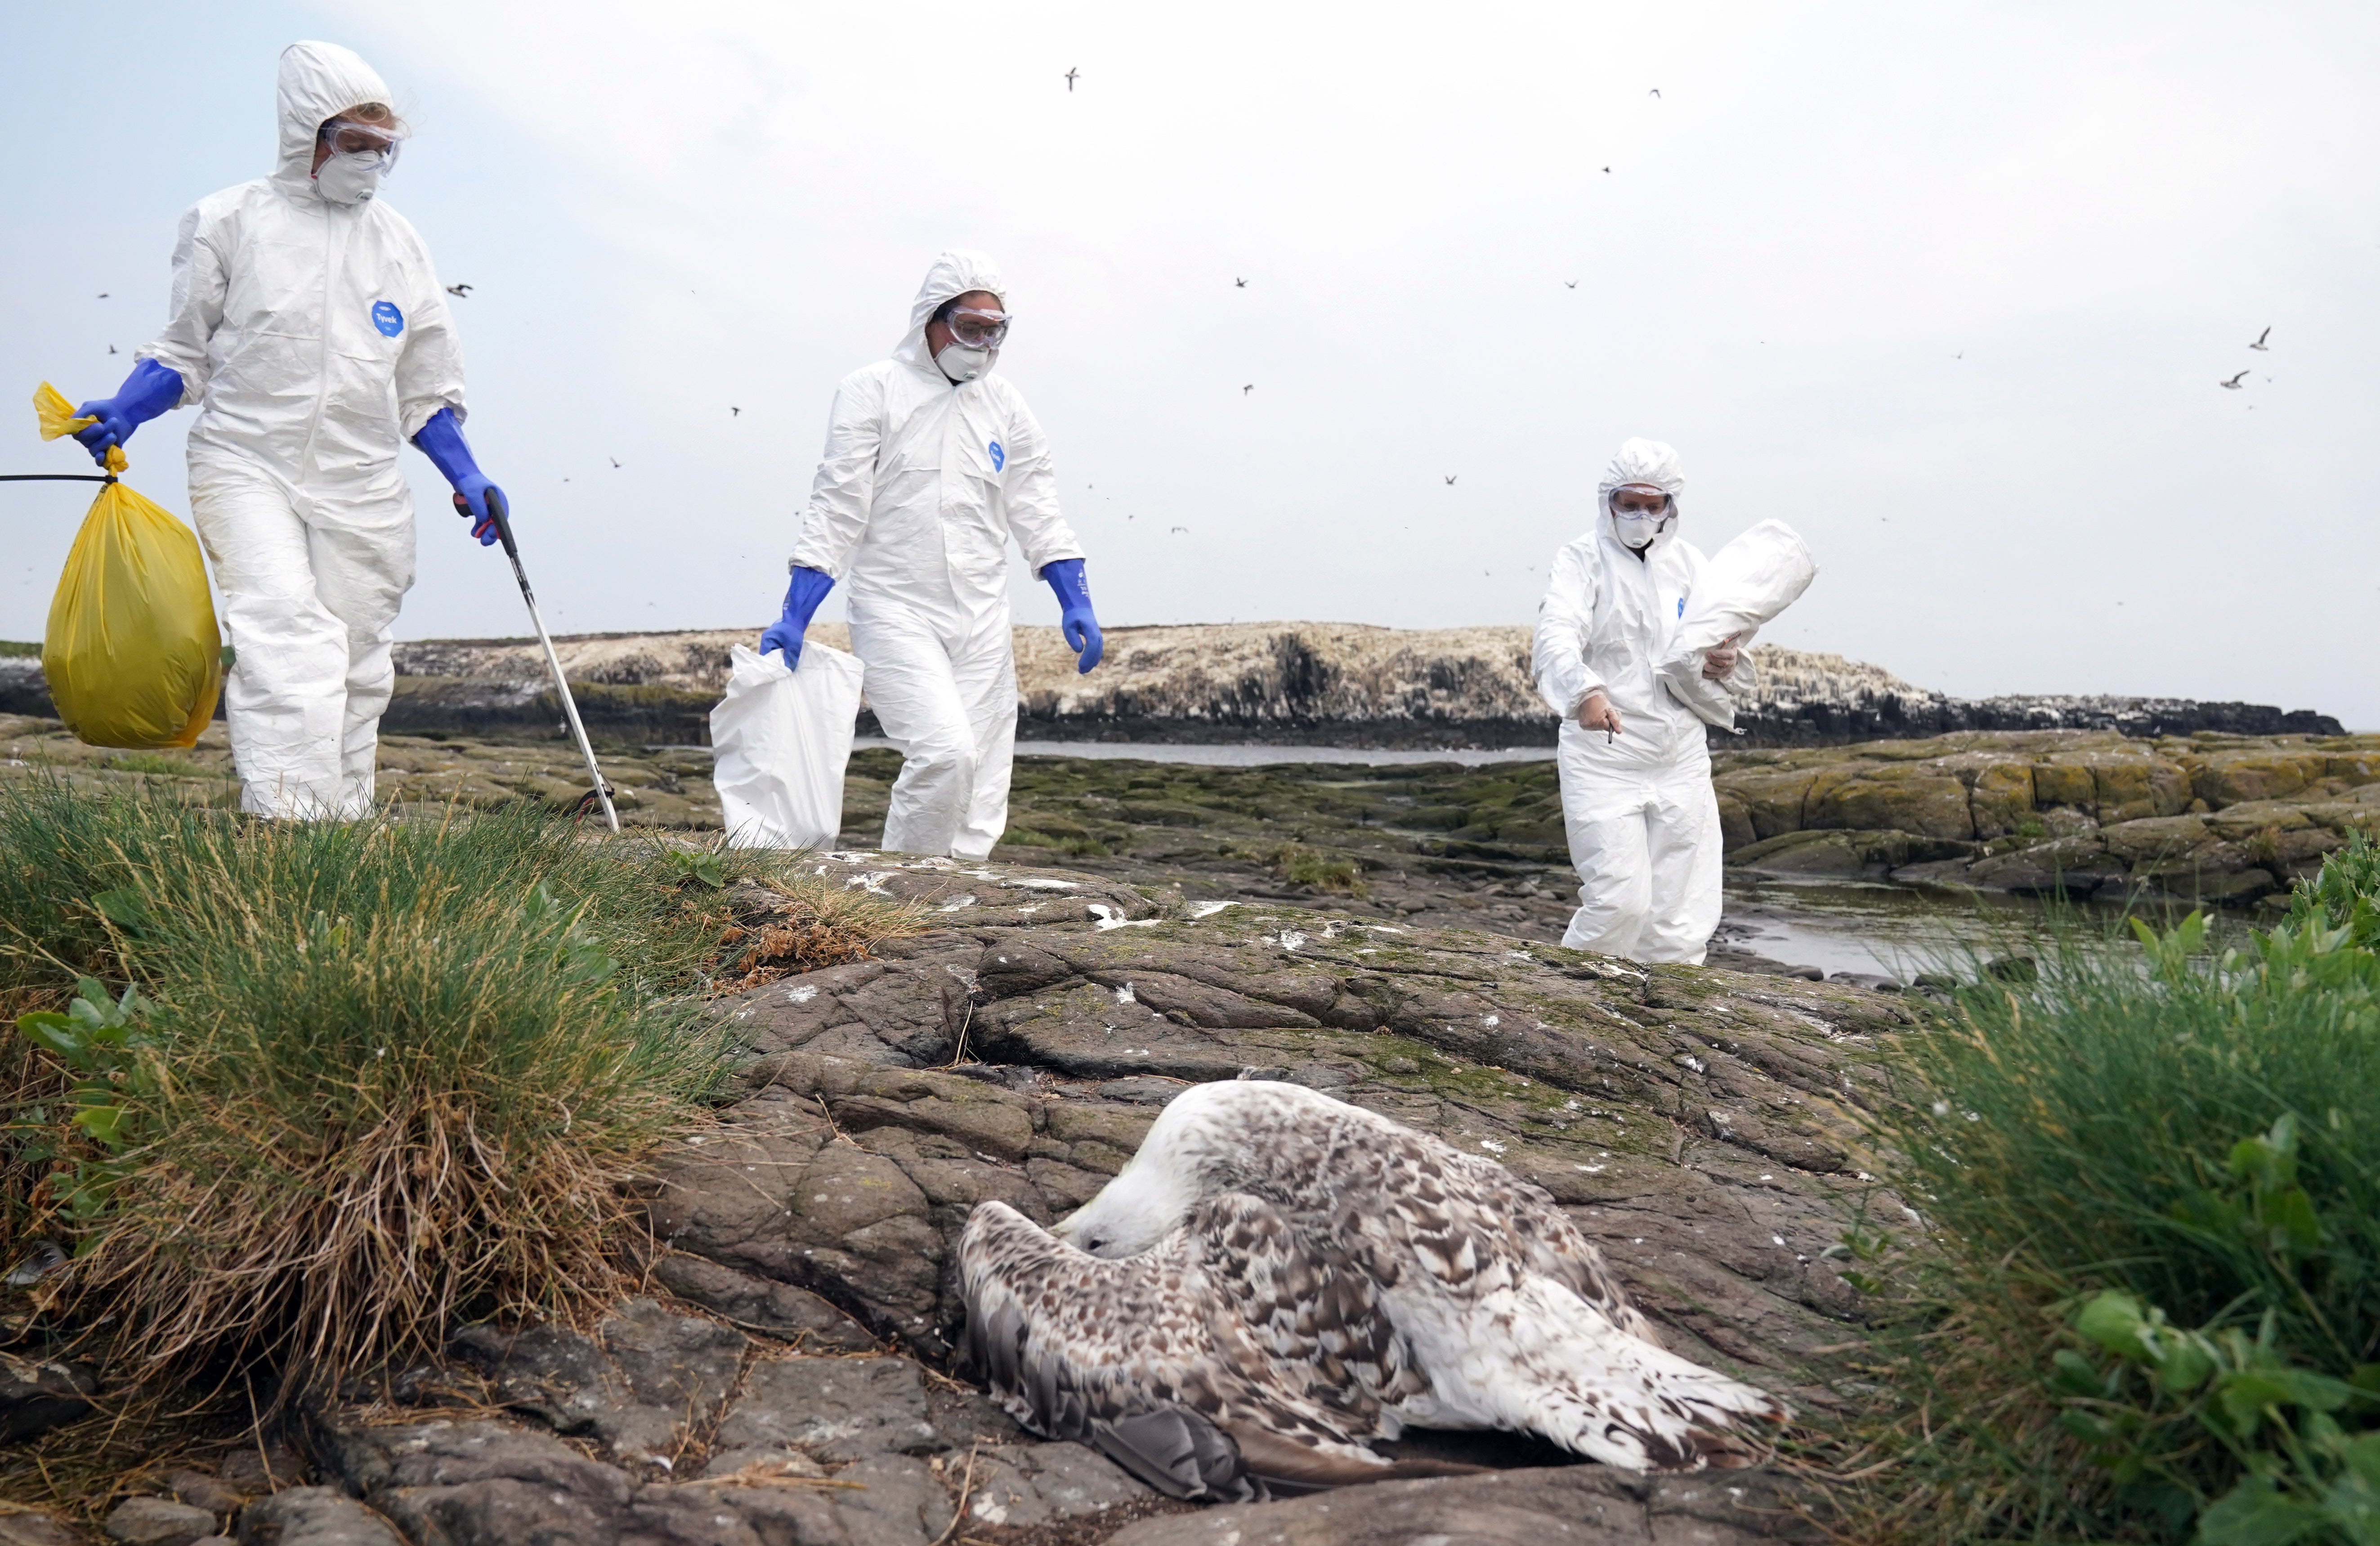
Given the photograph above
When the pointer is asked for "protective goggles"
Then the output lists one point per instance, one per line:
(346, 136)
(1641, 499)
(978, 330)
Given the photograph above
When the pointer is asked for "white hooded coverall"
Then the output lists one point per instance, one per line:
(921, 486)
(1638, 807)
(315, 339)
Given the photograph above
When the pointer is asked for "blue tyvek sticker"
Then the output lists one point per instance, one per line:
(388, 319)
(1681, 606)
(999, 456)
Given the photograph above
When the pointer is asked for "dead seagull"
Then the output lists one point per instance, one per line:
(458, 289)
(1279, 1278)
(2259, 344)
(2233, 384)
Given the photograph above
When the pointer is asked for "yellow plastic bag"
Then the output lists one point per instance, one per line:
(57, 417)
(133, 655)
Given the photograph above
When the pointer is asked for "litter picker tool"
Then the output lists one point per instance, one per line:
(497, 513)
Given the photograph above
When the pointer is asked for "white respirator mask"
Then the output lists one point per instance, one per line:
(962, 364)
(1636, 530)
(350, 177)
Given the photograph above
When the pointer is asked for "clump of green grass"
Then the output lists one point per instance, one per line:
(2152, 1308)
(1080, 844)
(376, 1075)
(1310, 867)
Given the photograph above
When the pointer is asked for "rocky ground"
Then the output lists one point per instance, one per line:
(2088, 813)
(1332, 684)
(791, 1374)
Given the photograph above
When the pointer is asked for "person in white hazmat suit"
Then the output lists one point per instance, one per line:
(1638, 803)
(932, 463)
(309, 328)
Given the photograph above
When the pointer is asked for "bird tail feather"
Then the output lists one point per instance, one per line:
(1590, 1387)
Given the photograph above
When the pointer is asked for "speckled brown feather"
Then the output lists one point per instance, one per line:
(1233, 1336)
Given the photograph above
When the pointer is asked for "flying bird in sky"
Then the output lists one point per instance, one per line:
(110, 348)
(102, 295)
(1572, 282)
(1245, 390)
(736, 413)
(1240, 284)
(458, 289)
(1606, 169)
(1656, 91)
(1180, 532)
(1449, 480)
(2259, 344)
(613, 460)
(1070, 74)
(2234, 382)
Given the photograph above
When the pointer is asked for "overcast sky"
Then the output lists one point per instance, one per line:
(1949, 287)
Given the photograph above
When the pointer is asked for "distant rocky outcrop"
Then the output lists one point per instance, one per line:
(1327, 684)
(1814, 699)
(2203, 818)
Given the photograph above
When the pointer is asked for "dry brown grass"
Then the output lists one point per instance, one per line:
(809, 923)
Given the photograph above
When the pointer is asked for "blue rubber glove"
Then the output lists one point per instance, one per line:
(1074, 619)
(802, 597)
(150, 390)
(442, 441)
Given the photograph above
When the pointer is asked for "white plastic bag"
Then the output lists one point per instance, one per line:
(779, 741)
(1745, 584)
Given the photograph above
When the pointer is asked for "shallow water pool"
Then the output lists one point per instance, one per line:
(1897, 932)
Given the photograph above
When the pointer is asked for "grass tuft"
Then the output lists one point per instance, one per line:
(1310, 867)
(373, 1077)
(2148, 1307)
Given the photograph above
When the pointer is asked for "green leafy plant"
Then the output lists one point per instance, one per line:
(97, 1042)
(2146, 1304)
(2303, 1475)
(2344, 895)
(688, 868)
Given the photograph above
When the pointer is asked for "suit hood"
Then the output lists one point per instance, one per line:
(319, 80)
(954, 275)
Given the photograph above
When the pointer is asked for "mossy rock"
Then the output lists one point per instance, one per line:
(1917, 798)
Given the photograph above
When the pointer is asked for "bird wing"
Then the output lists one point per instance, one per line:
(1151, 1360)
(1472, 1226)
(1302, 1305)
